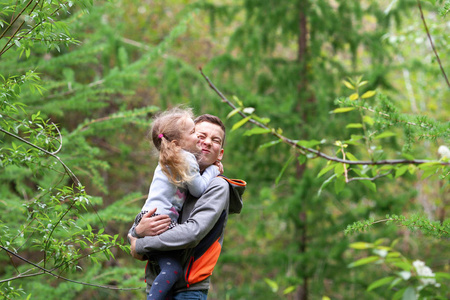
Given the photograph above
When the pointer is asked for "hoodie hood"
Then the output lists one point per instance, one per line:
(237, 188)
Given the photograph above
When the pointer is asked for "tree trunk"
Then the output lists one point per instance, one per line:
(304, 98)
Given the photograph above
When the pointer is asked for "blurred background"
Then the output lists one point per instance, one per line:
(287, 59)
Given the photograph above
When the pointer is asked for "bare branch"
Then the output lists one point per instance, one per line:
(368, 178)
(49, 272)
(60, 140)
(69, 172)
(295, 144)
(432, 44)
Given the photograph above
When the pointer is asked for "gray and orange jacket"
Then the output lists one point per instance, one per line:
(201, 233)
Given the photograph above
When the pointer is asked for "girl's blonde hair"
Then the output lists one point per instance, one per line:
(167, 128)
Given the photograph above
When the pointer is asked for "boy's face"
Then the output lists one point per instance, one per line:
(211, 139)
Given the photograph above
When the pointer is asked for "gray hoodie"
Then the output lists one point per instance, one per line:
(201, 232)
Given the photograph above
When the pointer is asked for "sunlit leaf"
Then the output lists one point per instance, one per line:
(368, 94)
(354, 96)
(361, 245)
(256, 130)
(269, 144)
(348, 84)
(364, 261)
(233, 112)
(342, 110)
(384, 135)
(354, 125)
(240, 123)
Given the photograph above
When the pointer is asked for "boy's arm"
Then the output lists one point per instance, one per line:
(204, 215)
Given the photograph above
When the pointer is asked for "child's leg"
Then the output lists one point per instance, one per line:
(171, 271)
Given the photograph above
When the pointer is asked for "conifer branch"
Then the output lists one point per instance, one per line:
(318, 153)
(50, 272)
(432, 44)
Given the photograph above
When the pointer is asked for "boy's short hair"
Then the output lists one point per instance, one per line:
(214, 120)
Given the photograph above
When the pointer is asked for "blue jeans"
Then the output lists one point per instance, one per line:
(191, 295)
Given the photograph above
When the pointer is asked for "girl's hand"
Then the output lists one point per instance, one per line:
(150, 226)
(218, 163)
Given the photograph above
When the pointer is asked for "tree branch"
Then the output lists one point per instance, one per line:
(46, 271)
(369, 178)
(432, 44)
(69, 172)
(318, 153)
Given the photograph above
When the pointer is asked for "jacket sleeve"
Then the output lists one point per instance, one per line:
(199, 182)
(204, 215)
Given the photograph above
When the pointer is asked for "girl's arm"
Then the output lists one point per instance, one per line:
(197, 186)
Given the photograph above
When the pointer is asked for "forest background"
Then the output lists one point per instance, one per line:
(337, 115)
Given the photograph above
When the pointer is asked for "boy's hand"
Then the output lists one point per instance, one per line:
(132, 240)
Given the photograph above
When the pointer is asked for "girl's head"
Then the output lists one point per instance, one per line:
(172, 131)
(176, 126)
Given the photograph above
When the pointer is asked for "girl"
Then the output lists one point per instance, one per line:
(173, 134)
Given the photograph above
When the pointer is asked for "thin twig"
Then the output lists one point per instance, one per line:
(317, 152)
(46, 271)
(60, 140)
(432, 44)
(369, 178)
(71, 174)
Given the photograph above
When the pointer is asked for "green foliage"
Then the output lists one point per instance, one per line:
(77, 94)
(410, 280)
(415, 222)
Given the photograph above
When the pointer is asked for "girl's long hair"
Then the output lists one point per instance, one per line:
(167, 128)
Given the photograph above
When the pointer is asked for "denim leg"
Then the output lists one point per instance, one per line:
(191, 295)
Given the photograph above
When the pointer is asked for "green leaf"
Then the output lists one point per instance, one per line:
(310, 143)
(257, 130)
(368, 94)
(339, 184)
(441, 275)
(351, 156)
(272, 284)
(380, 282)
(325, 183)
(409, 294)
(384, 135)
(354, 125)
(364, 261)
(239, 102)
(361, 245)
(269, 144)
(284, 168)
(342, 110)
(400, 171)
(301, 159)
(372, 186)
(354, 96)
(325, 170)
(289, 289)
(348, 84)
(402, 265)
(339, 169)
(240, 123)
(233, 112)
